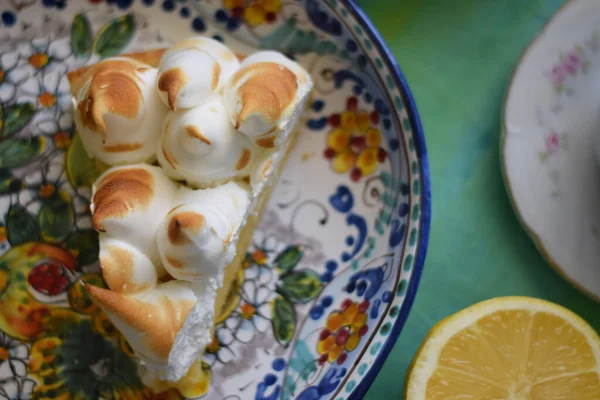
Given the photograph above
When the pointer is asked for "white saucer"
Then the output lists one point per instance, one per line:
(551, 114)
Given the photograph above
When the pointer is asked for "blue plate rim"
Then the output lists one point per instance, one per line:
(423, 240)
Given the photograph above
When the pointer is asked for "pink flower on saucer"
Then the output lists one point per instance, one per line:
(571, 63)
(553, 142)
(574, 59)
(570, 68)
(558, 74)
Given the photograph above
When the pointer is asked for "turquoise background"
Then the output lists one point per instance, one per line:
(458, 57)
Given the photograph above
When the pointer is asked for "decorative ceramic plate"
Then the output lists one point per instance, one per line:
(334, 267)
(551, 117)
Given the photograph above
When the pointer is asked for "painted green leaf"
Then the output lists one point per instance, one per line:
(81, 169)
(289, 258)
(8, 183)
(18, 152)
(21, 226)
(81, 351)
(114, 36)
(85, 245)
(81, 35)
(283, 320)
(301, 286)
(279, 35)
(56, 217)
(123, 376)
(16, 117)
(325, 47)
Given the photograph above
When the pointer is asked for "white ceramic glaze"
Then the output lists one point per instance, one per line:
(551, 132)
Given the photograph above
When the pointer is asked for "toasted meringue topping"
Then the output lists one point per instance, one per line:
(125, 269)
(118, 114)
(263, 94)
(210, 121)
(170, 82)
(184, 221)
(129, 202)
(265, 90)
(150, 323)
(193, 71)
(121, 191)
(195, 237)
(149, 57)
(266, 142)
(200, 146)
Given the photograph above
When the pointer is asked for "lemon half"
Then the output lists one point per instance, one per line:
(513, 348)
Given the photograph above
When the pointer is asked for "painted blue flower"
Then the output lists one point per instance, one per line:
(58, 4)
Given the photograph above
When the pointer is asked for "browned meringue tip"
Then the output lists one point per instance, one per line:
(244, 159)
(103, 297)
(158, 323)
(266, 142)
(171, 81)
(181, 222)
(196, 133)
(267, 90)
(215, 77)
(149, 57)
(117, 266)
(121, 192)
(114, 88)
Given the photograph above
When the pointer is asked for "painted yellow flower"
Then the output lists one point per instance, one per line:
(38, 60)
(47, 190)
(62, 140)
(343, 331)
(354, 143)
(47, 99)
(247, 310)
(259, 257)
(254, 12)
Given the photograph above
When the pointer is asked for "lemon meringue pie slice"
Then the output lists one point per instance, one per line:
(193, 138)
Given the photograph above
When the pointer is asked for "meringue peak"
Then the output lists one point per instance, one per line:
(171, 81)
(125, 269)
(120, 192)
(110, 91)
(264, 95)
(129, 202)
(153, 320)
(193, 71)
(118, 112)
(195, 132)
(195, 237)
(266, 89)
(199, 145)
(183, 224)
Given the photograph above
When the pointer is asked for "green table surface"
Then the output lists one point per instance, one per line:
(458, 57)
